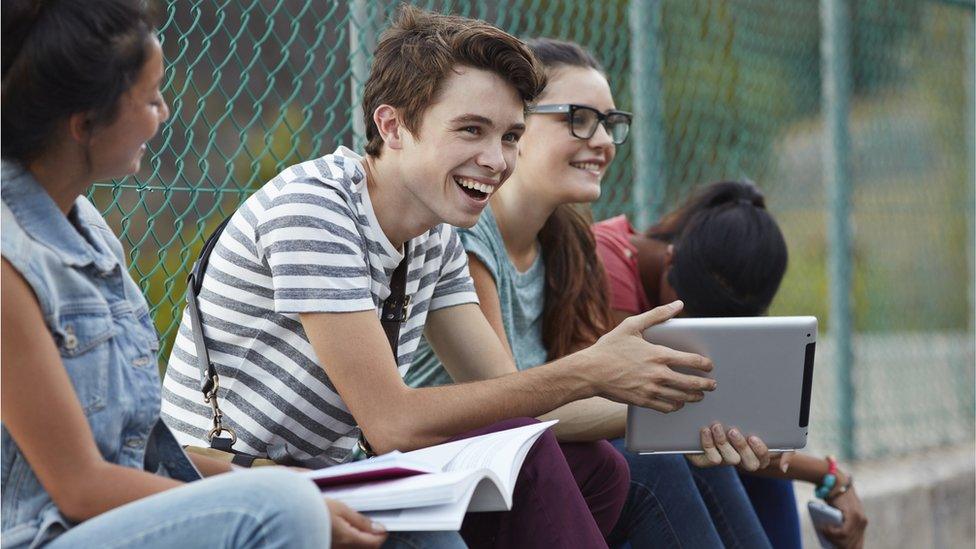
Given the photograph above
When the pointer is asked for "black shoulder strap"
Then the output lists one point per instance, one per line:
(395, 306)
(193, 284)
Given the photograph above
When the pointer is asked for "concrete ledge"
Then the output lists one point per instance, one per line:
(923, 500)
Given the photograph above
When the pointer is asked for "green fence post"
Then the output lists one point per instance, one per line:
(649, 135)
(361, 39)
(836, 87)
(970, 75)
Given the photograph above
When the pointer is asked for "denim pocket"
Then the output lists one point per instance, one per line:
(84, 341)
(142, 339)
(149, 329)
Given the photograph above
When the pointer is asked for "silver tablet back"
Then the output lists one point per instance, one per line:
(764, 370)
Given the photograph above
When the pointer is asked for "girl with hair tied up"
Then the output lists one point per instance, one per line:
(86, 460)
(723, 255)
(540, 284)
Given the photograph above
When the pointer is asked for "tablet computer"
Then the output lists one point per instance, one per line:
(764, 374)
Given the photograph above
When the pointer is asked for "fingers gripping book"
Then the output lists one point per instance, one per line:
(432, 488)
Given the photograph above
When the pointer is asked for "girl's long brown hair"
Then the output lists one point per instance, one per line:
(576, 311)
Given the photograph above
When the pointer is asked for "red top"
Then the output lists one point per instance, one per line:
(619, 258)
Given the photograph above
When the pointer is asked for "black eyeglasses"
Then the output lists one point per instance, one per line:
(584, 120)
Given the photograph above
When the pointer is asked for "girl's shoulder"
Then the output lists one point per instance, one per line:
(613, 236)
(484, 240)
(618, 226)
(485, 230)
(91, 216)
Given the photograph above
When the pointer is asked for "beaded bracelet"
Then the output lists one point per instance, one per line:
(829, 480)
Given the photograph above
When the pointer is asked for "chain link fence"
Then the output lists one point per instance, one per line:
(724, 89)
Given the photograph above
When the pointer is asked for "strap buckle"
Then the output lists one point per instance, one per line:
(218, 416)
(395, 308)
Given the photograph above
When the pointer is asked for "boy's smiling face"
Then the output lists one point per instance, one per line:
(464, 148)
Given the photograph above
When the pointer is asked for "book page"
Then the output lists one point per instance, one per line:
(478, 474)
(501, 453)
(483, 496)
(415, 491)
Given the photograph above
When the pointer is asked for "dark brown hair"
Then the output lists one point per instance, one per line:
(416, 53)
(729, 254)
(63, 58)
(576, 311)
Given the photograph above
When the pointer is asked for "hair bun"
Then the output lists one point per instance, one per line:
(744, 193)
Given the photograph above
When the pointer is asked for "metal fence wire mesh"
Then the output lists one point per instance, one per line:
(734, 91)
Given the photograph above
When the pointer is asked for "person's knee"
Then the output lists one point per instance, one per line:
(652, 469)
(545, 458)
(546, 447)
(291, 503)
(613, 467)
(599, 463)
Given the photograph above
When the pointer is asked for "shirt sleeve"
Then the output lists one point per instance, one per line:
(479, 242)
(309, 239)
(619, 265)
(454, 285)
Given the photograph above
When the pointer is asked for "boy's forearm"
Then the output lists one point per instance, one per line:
(431, 415)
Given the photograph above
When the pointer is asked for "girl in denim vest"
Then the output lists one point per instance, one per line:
(86, 462)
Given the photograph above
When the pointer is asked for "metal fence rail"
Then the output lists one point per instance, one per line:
(721, 89)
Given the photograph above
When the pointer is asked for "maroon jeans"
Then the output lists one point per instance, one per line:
(566, 496)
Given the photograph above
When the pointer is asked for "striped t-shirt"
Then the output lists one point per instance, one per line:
(307, 241)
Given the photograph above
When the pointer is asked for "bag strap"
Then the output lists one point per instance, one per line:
(394, 313)
(209, 380)
(395, 305)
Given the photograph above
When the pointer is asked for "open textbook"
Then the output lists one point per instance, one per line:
(432, 488)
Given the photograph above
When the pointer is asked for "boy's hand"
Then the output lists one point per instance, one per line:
(351, 529)
(631, 370)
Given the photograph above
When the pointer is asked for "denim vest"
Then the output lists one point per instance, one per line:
(98, 318)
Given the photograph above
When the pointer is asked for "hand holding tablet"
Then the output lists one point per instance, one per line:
(728, 446)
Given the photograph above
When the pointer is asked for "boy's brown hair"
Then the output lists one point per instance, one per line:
(414, 55)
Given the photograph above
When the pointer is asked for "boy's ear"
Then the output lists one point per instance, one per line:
(668, 255)
(388, 122)
(80, 127)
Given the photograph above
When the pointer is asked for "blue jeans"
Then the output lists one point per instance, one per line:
(268, 507)
(775, 504)
(674, 504)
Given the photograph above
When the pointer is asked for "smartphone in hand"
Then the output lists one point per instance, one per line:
(823, 515)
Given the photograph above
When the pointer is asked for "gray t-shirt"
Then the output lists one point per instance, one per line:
(521, 297)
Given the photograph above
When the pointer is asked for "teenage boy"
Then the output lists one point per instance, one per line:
(291, 296)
